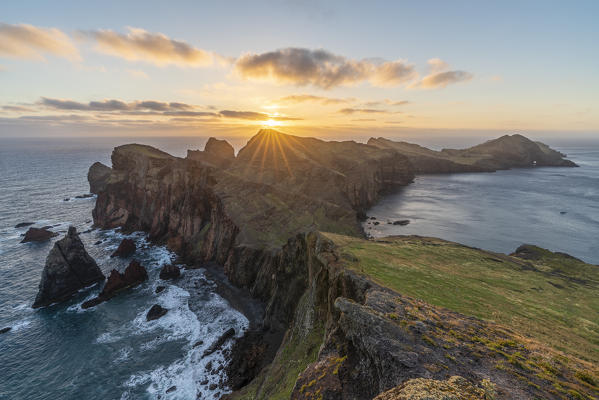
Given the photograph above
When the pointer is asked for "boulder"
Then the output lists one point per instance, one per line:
(68, 269)
(155, 312)
(134, 274)
(401, 222)
(38, 235)
(125, 249)
(4, 330)
(169, 272)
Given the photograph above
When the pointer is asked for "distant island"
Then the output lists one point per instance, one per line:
(347, 317)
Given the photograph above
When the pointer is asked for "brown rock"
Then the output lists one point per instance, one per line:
(169, 272)
(133, 276)
(38, 235)
(125, 249)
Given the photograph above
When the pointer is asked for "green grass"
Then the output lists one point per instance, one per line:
(556, 302)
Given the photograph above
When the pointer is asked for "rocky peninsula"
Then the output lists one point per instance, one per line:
(340, 307)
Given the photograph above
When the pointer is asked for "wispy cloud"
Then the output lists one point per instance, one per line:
(362, 111)
(320, 68)
(31, 42)
(439, 77)
(308, 98)
(156, 48)
(255, 116)
(114, 105)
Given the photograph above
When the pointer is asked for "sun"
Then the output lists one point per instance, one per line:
(271, 123)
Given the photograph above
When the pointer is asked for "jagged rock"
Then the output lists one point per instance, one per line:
(401, 222)
(134, 274)
(97, 177)
(23, 224)
(160, 289)
(38, 235)
(229, 333)
(126, 248)
(171, 389)
(169, 272)
(155, 312)
(68, 269)
(454, 388)
(4, 330)
(218, 153)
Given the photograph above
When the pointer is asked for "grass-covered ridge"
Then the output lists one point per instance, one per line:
(550, 297)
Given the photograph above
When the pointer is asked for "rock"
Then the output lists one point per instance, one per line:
(376, 222)
(4, 330)
(68, 269)
(38, 235)
(23, 224)
(84, 196)
(98, 242)
(454, 388)
(198, 343)
(133, 276)
(160, 289)
(373, 218)
(171, 389)
(204, 382)
(97, 177)
(563, 212)
(218, 153)
(66, 199)
(155, 312)
(221, 340)
(212, 386)
(125, 249)
(401, 222)
(169, 272)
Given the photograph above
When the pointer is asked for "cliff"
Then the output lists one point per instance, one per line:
(505, 152)
(343, 310)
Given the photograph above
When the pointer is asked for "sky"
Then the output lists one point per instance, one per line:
(320, 68)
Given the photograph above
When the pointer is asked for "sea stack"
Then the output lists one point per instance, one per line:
(68, 269)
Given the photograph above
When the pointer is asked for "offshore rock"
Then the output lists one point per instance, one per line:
(125, 249)
(170, 272)
(38, 235)
(134, 274)
(97, 177)
(68, 269)
(156, 312)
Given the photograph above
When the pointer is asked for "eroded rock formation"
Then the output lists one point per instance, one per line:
(68, 269)
(134, 274)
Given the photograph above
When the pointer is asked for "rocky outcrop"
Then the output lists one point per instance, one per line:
(126, 249)
(134, 274)
(169, 272)
(38, 235)
(454, 388)
(97, 176)
(515, 151)
(68, 269)
(23, 224)
(217, 153)
(155, 312)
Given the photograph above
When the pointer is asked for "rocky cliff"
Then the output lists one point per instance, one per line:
(505, 152)
(341, 328)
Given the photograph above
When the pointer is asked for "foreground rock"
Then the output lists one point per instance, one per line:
(38, 235)
(156, 312)
(134, 274)
(126, 248)
(170, 272)
(68, 269)
(454, 388)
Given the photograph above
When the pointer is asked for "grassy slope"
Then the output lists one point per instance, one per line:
(555, 300)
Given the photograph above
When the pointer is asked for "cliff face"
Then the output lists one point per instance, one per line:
(505, 152)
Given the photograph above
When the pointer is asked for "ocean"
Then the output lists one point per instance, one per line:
(111, 352)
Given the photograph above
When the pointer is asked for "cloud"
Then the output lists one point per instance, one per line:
(255, 116)
(305, 98)
(115, 105)
(157, 48)
(362, 110)
(299, 66)
(30, 42)
(439, 78)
